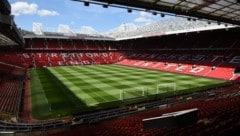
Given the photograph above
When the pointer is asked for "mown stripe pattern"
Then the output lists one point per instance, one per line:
(72, 88)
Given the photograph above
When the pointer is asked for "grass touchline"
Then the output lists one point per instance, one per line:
(72, 89)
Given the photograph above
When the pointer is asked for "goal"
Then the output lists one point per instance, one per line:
(133, 93)
(166, 87)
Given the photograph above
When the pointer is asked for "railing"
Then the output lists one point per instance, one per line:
(94, 117)
(87, 118)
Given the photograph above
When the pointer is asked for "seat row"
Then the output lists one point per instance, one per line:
(11, 87)
(218, 116)
(214, 64)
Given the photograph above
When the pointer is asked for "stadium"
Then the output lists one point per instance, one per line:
(178, 76)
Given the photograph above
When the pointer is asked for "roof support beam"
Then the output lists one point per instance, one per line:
(174, 10)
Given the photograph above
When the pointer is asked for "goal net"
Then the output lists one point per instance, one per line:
(133, 93)
(166, 87)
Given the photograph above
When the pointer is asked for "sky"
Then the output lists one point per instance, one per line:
(52, 13)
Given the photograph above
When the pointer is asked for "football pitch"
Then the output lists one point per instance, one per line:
(65, 90)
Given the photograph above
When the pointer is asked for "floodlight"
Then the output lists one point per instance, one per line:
(154, 13)
(105, 6)
(129, 10)
(86, 3)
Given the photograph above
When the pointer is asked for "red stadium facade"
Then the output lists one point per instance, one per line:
(210, 53)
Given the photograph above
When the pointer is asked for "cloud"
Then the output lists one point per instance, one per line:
(144, 18)
(19, 8)
(24, 8)
(144, 14)
(45, 12)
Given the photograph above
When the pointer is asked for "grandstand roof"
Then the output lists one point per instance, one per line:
(57, 35)
(227, 11)
(167, 27)
(9, 33)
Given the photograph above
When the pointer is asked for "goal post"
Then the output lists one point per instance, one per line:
(133, 93)
(166, 87)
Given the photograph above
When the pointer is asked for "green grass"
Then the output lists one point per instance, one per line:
(65, 90)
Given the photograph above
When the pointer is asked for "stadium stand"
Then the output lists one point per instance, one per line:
(202, 54)
(214, 117)
(11, 89)
(216, 113)
(190, 56)
(187, 48)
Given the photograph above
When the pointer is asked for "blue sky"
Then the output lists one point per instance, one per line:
(51, 13)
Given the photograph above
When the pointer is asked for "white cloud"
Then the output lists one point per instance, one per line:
(19, 8)
(143, 20)
(24, 8)
(45, 12)
(144, 14)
